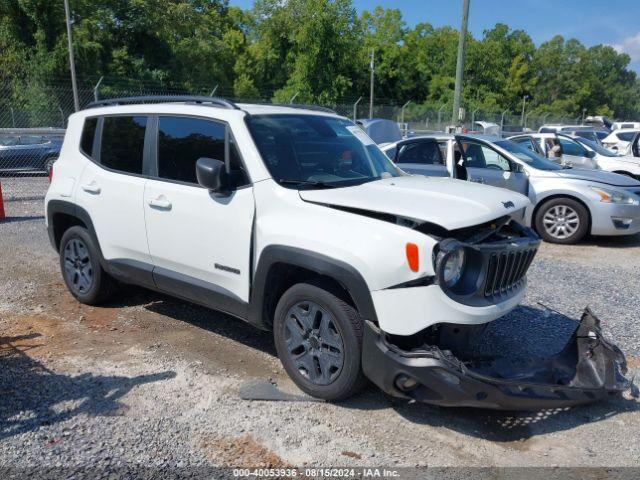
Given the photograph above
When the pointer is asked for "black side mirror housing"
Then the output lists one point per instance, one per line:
(590, 154)
(212, 174)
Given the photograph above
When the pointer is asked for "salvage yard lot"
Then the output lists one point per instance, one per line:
(156, 381)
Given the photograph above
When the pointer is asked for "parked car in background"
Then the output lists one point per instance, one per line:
(566, 203)
(633, 149)
(28, 153)
(560, 128)
(580, 152)
(625, 125)
(619, 140)
(595, 134)
(381, 130)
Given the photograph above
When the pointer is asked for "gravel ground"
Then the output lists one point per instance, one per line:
(155, 382)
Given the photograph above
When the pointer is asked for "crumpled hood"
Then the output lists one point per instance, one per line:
(445, 202)
(597, 176)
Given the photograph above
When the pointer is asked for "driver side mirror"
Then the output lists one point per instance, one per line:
(212, 174)
(590, 154)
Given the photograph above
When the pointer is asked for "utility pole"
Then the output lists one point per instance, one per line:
(72, 63)
(372, 68)
(460, 63)
(524, 104)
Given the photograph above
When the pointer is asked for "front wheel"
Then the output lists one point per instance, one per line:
(318, 337)
(562, 220)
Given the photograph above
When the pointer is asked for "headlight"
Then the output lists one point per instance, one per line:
(608, 195)
(453, 267)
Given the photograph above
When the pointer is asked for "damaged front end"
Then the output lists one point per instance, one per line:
(437, 367)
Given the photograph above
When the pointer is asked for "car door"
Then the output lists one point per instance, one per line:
(200, 242)
(111, 188)
(575, 155)
(486, 165)
(421, 156)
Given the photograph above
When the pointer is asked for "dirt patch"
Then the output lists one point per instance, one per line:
(244, 452)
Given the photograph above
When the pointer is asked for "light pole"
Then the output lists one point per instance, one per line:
(524, 104)
(355, 109)
(72, 63)
(372, 66)
(460, 61)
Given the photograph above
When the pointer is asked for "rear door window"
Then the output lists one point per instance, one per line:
(424, 153)
(122, 144)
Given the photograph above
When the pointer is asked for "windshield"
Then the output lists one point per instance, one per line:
(530, 158)
(308, 151)
(596, 147)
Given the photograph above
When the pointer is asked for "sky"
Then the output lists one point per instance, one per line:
(611, 22)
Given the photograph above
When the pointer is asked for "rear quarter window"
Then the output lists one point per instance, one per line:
(88, 134)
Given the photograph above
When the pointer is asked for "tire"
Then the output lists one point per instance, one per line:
(562, 220)
(81, 270)
(48, 164)
(318, 338)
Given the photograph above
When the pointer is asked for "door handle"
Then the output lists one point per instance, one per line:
(160, 203)
(92, 187)
(477, 179)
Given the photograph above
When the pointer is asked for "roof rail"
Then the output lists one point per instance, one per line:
(316, 108)
(214, 101)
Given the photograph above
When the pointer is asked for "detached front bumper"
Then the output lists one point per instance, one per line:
(588, 369)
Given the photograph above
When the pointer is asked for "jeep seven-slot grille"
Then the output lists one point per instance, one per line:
(506, 270)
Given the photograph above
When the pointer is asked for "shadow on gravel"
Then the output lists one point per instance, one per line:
(201, 317)
(26, 218)
(33, 396)
(625, 241)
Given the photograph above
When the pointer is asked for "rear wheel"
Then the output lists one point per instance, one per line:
(48, 164)
(318, 337)
(79, 261)
(562, 220)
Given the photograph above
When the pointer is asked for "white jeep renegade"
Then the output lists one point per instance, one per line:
(292, 219)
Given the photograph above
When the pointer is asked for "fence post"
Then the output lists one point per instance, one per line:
(502, 121)
(2, 215)
(293, 98)
(473, 117)
(213, 92)
(95, 89)
(440, 116)
(355, 109)
(13, 118)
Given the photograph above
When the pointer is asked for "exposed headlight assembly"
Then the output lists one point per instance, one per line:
(453, 266)
(609, 195)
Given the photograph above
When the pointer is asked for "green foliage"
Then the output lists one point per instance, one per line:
(316, 50)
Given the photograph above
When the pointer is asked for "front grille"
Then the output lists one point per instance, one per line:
(506, 270)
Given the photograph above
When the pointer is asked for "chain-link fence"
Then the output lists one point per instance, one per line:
(32, 129)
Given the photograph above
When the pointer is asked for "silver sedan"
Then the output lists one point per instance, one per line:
(566, 203)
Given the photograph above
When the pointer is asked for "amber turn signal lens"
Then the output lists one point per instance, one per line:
(413, 257)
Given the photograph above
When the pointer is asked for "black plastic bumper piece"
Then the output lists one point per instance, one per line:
(588, 369)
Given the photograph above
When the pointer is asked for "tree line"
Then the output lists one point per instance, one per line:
(318, 50)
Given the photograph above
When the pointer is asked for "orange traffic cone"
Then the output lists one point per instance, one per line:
(2, 216)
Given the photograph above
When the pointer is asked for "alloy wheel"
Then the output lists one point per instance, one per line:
(77, 266)
(561, 221)
(314, 342)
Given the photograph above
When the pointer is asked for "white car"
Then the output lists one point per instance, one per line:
(293, 220)
(581, 152)
(619, 140)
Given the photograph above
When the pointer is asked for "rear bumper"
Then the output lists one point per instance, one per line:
(586, 370)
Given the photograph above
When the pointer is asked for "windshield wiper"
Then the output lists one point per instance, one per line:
(310, 183)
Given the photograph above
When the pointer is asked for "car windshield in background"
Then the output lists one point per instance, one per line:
(313, 151)
(596, 147)
(530, 158)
